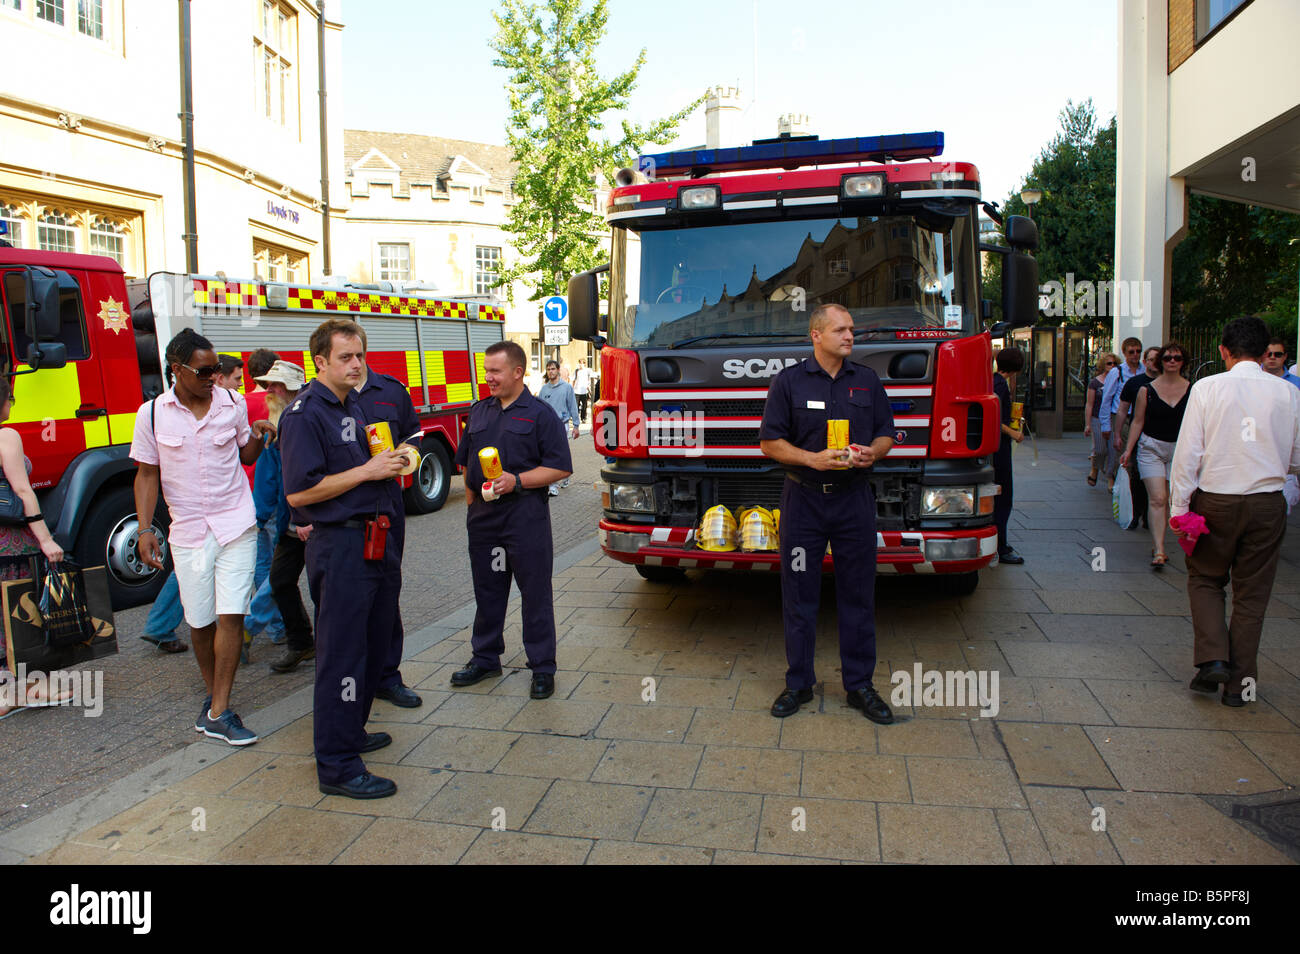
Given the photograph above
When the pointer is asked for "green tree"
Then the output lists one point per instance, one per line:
(1076, 215)
(1236, 260)
(558, 106)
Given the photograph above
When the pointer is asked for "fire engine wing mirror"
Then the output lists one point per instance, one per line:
(1019, 289)
(43, 319)
(47, 354)
(584, 304)
(1022, 233)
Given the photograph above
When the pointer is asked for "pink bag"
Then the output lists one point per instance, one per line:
(1192, 524)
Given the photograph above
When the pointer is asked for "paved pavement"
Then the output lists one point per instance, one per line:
(150, 695)
(1098, 753)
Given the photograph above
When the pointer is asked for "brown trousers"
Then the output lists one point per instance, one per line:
(1244, 535)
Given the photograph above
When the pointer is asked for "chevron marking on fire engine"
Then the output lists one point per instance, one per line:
(309, 366)
(96, 432)
(121, 427)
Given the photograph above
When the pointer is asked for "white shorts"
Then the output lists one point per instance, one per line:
(1154, 457)
(215, 580)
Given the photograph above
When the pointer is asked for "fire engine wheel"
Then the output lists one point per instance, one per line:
(432, 481)
(108, 538)
(661, 574)
(962, 584)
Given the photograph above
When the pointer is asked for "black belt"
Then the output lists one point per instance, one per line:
(831, 488)
(347, 524)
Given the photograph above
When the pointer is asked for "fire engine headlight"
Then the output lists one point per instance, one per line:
(862, 187)
(621, 542)
(966, 549)
(699, 197)
(638, 497)
(948, 502)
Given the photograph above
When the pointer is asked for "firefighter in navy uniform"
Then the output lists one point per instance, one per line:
(384, 398)
(825, 501)
(332, 483)
(511, 534)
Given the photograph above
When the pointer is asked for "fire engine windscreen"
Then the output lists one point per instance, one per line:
(764, 278)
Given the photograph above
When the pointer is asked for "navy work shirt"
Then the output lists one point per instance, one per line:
(1003, 453)
(804, 397)
(320, 436)
(384, 398)
(526, 434)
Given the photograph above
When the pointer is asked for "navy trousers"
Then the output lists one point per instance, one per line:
(391, 676)
(847, 520)
(511, 539)
(1002, 502)
(356, 603)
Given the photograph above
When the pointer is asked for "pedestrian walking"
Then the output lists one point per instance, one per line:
(1157, 418)
(828, 498)
(1123, 423)
(334, 485)
(558, 395)
(582, 388)
(1275, 361)
(190, 441)
(1010, 362)
(385, 399)
(510, 535)
(1115, 381)
(1239, 439)
(1092, 426)
(283, 381)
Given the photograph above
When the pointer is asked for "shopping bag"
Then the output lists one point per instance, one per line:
(1121, 500)
(65, 616)
(25, 640)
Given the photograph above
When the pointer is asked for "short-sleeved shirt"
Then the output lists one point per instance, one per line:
(319, 436)
(804, 397)
(384, 398)
(1129, 393)
(526, 434)
(1096, 386)
(198, 465)
(1000, 388)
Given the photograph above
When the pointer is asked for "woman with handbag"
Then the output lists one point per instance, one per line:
(23, 532)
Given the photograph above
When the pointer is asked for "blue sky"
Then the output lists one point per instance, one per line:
(991, 74)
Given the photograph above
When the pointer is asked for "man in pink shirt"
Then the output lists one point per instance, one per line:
(192, 440)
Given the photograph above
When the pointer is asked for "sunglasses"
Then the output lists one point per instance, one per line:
(1171, 357)
(1277, 354)
(204, 373)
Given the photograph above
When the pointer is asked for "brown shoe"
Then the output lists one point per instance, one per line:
(288, 662)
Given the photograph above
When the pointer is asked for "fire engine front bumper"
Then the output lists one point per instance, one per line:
(903, 552)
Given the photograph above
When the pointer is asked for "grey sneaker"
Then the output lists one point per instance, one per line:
(228, 728)
(203, 714)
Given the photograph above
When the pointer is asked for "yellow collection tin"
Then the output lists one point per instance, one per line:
(837, 435)
(380, 438)
(1017, 414)
(490, 461)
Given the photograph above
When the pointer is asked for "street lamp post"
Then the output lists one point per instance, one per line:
(1030, 196)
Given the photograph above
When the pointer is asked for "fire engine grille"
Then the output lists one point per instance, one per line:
(736, 491)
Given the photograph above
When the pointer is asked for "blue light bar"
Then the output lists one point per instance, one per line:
(790, 154)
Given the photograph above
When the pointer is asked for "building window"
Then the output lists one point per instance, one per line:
(275, 263)
(394, 262)
(487, 269)
(50, 10)
(56, 232)
(1210, 13)
(108, 237)
(90, 18)
(14, 222)
(274, 53)
(12, 4)
(902, 283)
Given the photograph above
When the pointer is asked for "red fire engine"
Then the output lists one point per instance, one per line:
(717, 257)
(85, 351)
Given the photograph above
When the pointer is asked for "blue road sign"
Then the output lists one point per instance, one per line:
(556, 309)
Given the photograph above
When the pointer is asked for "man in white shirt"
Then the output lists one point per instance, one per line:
(1116, 378)
(1239, 439)
(582, 388)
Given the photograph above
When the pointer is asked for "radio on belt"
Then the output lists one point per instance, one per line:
(376, 537)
